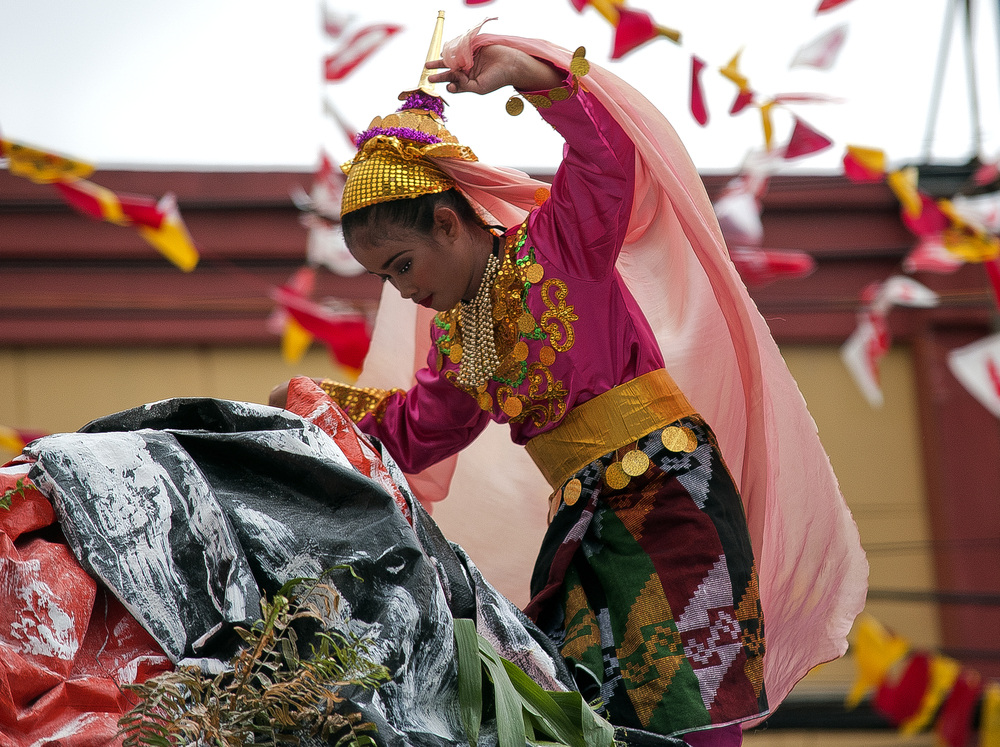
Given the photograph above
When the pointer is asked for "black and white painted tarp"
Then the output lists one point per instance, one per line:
(189, 509)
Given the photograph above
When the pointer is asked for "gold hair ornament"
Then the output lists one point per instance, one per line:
(394, 154)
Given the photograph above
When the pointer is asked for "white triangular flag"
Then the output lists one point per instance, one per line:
(977, 366)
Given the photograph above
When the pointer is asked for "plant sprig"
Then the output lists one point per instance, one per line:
(20, 488)
(270, 694)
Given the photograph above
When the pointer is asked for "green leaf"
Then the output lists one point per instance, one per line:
(597, 731)
(507, 702)
(550, 717)
(470, 678)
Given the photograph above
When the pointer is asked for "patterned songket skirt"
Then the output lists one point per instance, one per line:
(646, 581)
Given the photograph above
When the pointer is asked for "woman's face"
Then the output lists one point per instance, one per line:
(436, 270)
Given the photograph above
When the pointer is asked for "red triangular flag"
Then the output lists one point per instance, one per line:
(805, 141)
(634, 27)
(357, 49)
(743, 99)
(864, 164)
(829, 5)
(345, 334)
(931, 220)
(954, 722)
(698, 109)
(900, 700)
(579, 5)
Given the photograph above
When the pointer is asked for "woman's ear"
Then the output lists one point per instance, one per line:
(447, 223)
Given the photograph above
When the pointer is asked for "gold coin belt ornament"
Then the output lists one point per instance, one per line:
(635, 463)
(572, 491)
(679, 439)
(478, 354)
(615, 476)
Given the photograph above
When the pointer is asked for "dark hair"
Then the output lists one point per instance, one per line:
(407, 214)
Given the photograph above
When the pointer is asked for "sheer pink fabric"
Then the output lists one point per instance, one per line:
(813, 572)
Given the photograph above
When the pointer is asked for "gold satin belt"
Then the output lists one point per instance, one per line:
(616, 418)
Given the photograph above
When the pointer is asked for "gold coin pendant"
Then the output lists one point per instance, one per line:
(534, 273)
(572, 491)
(615, 477)
(635, 463)
(512, 406)
(455, 354)
(485, 401)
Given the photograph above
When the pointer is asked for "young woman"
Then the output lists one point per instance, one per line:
(547, 301)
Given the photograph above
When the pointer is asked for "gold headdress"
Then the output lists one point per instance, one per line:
(393, 158)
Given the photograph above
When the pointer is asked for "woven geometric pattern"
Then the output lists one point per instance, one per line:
(652, 588)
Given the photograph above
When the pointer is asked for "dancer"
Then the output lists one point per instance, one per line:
(558, 308)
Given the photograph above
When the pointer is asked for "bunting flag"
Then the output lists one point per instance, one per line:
(335, 23)
(295, 339)
(953, 725)
(875, 651)
(13, 440)
(698, 109)
(350, 133)
(41, 166)
(900, 700)
(920, 690)
(738, 212)
(821, 53)
(989, 721)
(903, 183)
(931, 255)
(759, 267)
(731, 71)
(100, 203)
(864, 164)
(862, 352)
(826, 5)
(944, 672)
(766, 123)
(744, 97)
(633, 28)
(805, 141)
(871, 340)
(977, 367)
(981, 211)
(345, 333)
(159, 223)
(171, 238)
(362, 45)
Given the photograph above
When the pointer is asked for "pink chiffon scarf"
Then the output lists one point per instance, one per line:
(812, 569)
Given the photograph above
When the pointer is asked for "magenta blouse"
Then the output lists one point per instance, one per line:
(567, 328)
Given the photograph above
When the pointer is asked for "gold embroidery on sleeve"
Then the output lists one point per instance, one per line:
(359, 401)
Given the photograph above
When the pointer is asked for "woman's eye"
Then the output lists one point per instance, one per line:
(404, 268)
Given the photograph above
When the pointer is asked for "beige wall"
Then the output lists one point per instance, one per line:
(61, 389)
(874, 452)
(876, 455)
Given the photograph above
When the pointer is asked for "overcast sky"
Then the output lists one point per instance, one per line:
(237, 83)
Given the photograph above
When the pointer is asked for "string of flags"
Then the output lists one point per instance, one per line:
(949, 233)
(919, 690)
(159, 222)
(297, 318)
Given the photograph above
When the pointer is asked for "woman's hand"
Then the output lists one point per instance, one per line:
(279, 395)
(496, 66)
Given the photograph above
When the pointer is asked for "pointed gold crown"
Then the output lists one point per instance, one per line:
(393, 157)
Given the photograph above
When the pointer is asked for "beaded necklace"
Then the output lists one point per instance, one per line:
(479, 350)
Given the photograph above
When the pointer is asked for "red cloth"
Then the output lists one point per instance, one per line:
(66, 646)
